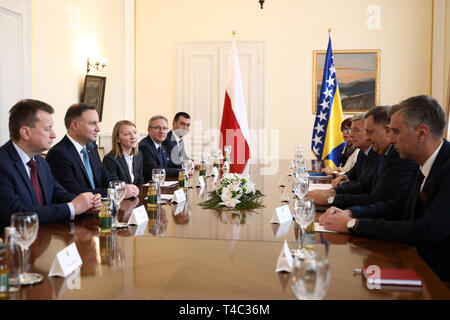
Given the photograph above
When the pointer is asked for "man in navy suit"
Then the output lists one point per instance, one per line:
(417, 128)
(75, 161)
(391, 175)
(26, 182)
(174, 141)
(153, 150)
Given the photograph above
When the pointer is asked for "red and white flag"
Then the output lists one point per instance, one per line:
(234, 126)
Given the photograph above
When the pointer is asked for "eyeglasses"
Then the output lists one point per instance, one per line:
(346, 130)
(158, 128)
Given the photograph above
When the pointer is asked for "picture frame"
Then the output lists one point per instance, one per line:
(358, 78)
(94, 92)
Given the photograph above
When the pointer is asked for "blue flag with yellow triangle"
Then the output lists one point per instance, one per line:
(327, 141)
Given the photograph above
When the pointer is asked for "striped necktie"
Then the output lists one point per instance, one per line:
(35, 180)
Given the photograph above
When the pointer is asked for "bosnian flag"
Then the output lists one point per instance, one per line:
(234, 127)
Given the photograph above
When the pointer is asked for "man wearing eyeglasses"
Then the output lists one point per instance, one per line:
(155, 154)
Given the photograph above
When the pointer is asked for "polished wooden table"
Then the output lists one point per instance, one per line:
(200, 254)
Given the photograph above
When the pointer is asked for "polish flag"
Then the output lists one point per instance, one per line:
(234, 127)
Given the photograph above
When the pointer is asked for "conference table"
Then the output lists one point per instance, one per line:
(187, 252)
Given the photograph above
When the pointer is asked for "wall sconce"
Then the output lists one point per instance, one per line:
(98, 65)
(261, 2)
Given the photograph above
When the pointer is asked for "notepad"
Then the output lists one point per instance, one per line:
(399, 277)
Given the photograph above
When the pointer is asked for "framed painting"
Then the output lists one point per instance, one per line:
(94, 92)
(358, 78)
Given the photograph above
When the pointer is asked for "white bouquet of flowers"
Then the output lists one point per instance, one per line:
(236, 192)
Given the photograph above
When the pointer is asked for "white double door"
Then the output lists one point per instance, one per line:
(15, 58)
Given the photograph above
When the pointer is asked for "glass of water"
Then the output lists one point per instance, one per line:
(310, 277)
(304, 213)
(120, 190)
(300, 185)
(159, 175)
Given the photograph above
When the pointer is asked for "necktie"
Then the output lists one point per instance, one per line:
(87, 166)
(415, 197)
(35, 180)
(160, 157)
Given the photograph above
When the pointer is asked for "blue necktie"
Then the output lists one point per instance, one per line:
(160, 158)
(87, 166)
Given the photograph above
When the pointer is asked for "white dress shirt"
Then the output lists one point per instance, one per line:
(129, 161)
(426, 168)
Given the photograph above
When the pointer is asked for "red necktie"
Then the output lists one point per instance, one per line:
(35, 180)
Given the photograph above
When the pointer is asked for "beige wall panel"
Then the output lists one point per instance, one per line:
(65, 32)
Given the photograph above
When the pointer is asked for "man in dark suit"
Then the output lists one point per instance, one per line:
(75, 161)
(365, 161)
(26, 182)
(417, 128)
(174, 143)
(392, 174)
(154, 152)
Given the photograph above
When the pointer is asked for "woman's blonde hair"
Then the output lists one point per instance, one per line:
(116, 148)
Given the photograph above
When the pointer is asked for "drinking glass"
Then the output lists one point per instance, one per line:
(187, 166)
(27, 227)
(310, 277)
(300, 185)
(304, 213)
(159, 175)
(120, 190)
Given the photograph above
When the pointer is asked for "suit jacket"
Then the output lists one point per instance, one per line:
(429, 228)
(68, 168)
(364, 166)
(17, 194)
(175, 150)
(392, 176)
(149, 152)
(119, 167)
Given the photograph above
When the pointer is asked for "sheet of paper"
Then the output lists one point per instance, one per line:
(319, 186)
(319, 228)
(169, 183)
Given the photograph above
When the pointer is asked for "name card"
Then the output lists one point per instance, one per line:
(138, 216)
(285, 261)
(66, 261)
(283, 228)
(201, 182)
(214, 172)
(138, 230)
(282, 214)
(180, 208)
(179, 196)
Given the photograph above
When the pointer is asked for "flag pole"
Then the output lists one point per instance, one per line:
(234, 34)
(329, 32)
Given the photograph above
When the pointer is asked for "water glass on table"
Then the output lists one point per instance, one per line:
(159, 175)
(27, 227)
(120, 190)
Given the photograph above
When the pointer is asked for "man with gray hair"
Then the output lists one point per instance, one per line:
(366, 160)
(392, 174)
(417, 126)
(155, 154)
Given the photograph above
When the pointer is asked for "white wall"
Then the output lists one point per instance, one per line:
(291, 29)
(65, 32)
